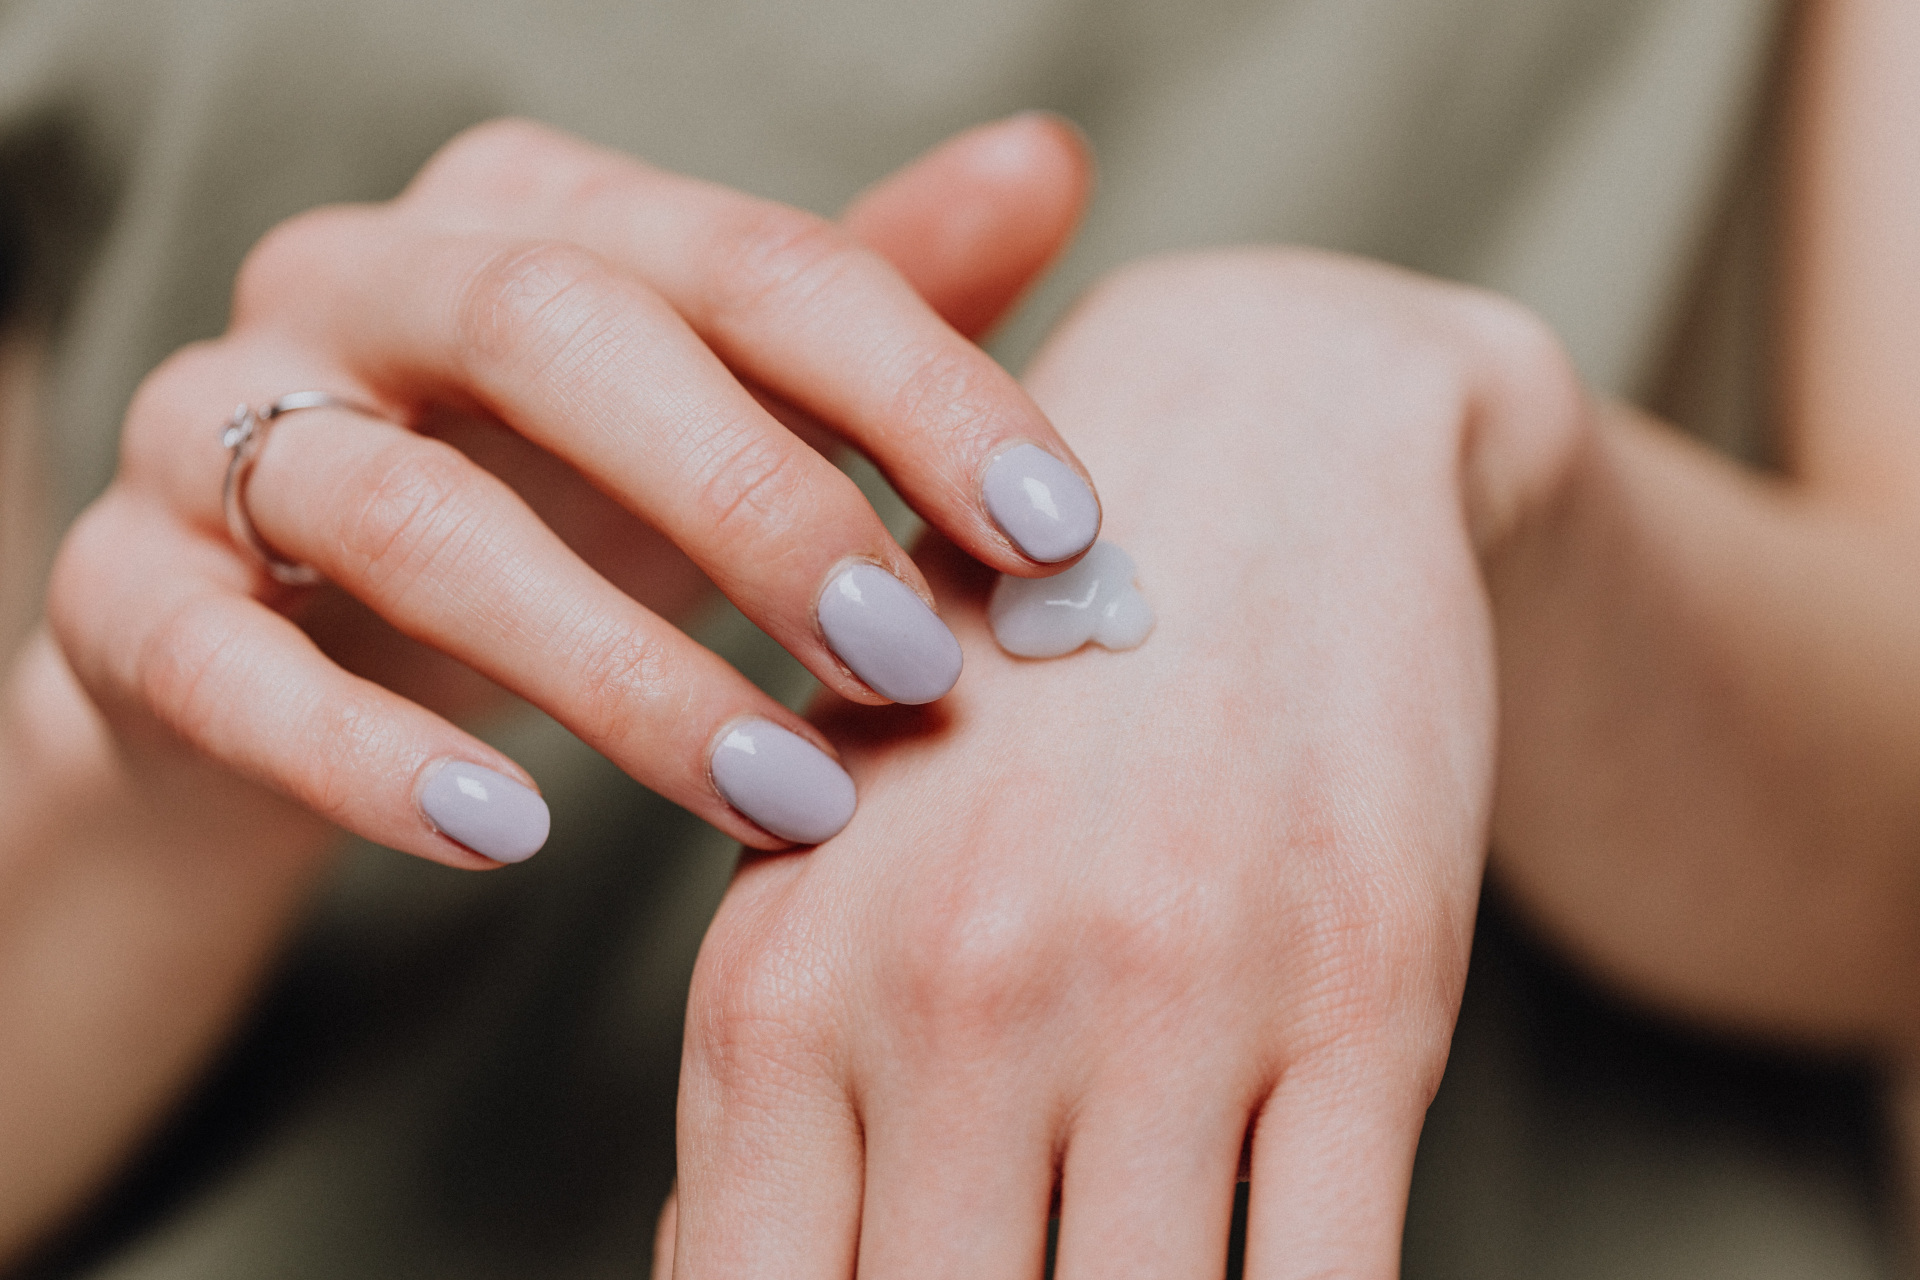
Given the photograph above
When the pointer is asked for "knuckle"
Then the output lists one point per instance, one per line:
(171, 395)
(503, 158)
(79, 587)
(967, 974)
(626, 690)
(769, 255)
(1378, 966)
(332, 782)
(946, 387)
(536, 308)
(751, 1012)
(177, 669)
(408, 510)
(1210, 274)
(279, 271)
(752, 489)
(1525, 349)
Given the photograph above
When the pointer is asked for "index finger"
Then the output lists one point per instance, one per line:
(797, 305)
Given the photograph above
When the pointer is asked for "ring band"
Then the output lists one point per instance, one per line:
(244, 435)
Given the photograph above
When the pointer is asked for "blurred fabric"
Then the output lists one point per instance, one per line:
(473, 1076)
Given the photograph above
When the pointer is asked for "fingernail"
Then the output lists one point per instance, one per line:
(1041, 503)
(888, 636)
(783, 782)
(488, 812)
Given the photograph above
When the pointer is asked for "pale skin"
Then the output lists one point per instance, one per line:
(144, 886)
(1097, 958)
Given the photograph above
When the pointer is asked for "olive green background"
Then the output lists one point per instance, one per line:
(458, 1075)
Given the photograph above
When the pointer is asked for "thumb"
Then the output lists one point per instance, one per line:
(973, 222)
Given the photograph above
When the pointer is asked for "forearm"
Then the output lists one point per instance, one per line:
(138, 907)
(1710, 761)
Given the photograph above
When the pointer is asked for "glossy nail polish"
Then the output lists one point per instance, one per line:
(1041, 503)
(488, 812)
(783, 782)
(887, 636)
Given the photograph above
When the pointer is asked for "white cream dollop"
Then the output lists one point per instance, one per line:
(1096, 601)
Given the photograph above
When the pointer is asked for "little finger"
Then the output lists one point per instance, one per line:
(190, 650)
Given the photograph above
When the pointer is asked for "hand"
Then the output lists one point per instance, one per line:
(593, 335)
(1102, 920)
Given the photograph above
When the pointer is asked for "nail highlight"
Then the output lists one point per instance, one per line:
(783, 782)
(887, 635)
(1041, 503)
(488, 812)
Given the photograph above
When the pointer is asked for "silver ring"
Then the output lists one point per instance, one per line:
(244, 435)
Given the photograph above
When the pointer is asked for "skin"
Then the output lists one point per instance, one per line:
(133, 864)
(1099, 919)
(1707, 785)
(1102, 957)
(601, 309)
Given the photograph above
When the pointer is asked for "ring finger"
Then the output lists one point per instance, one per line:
(449, 555)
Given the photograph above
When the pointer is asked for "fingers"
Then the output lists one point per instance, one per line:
(800, 307)
(246, 687)
(1332, 1159)
(766, 1197)
(590, 364)
(770, 1156)
(971, 224)
(1150, 1195)
(958, 1185)
(453, 558)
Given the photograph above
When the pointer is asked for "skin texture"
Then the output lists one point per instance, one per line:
(1706, 787)
(598, 308)
(1098, 919)
(1100, 956)
(133, 866)
(1744, 850)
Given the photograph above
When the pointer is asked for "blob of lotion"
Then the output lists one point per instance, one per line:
(1094, 601)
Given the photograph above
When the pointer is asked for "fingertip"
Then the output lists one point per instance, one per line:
(974, 221)
(1035, 143)
(887, 634)
(1044, 506)
(782, 782)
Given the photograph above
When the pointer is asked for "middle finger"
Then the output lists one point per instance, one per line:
(590, 364)
(1148, 1191)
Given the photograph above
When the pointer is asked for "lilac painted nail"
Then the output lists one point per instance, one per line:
(783, 782)
(1041, 503)
(888, 636)
(488, 812)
